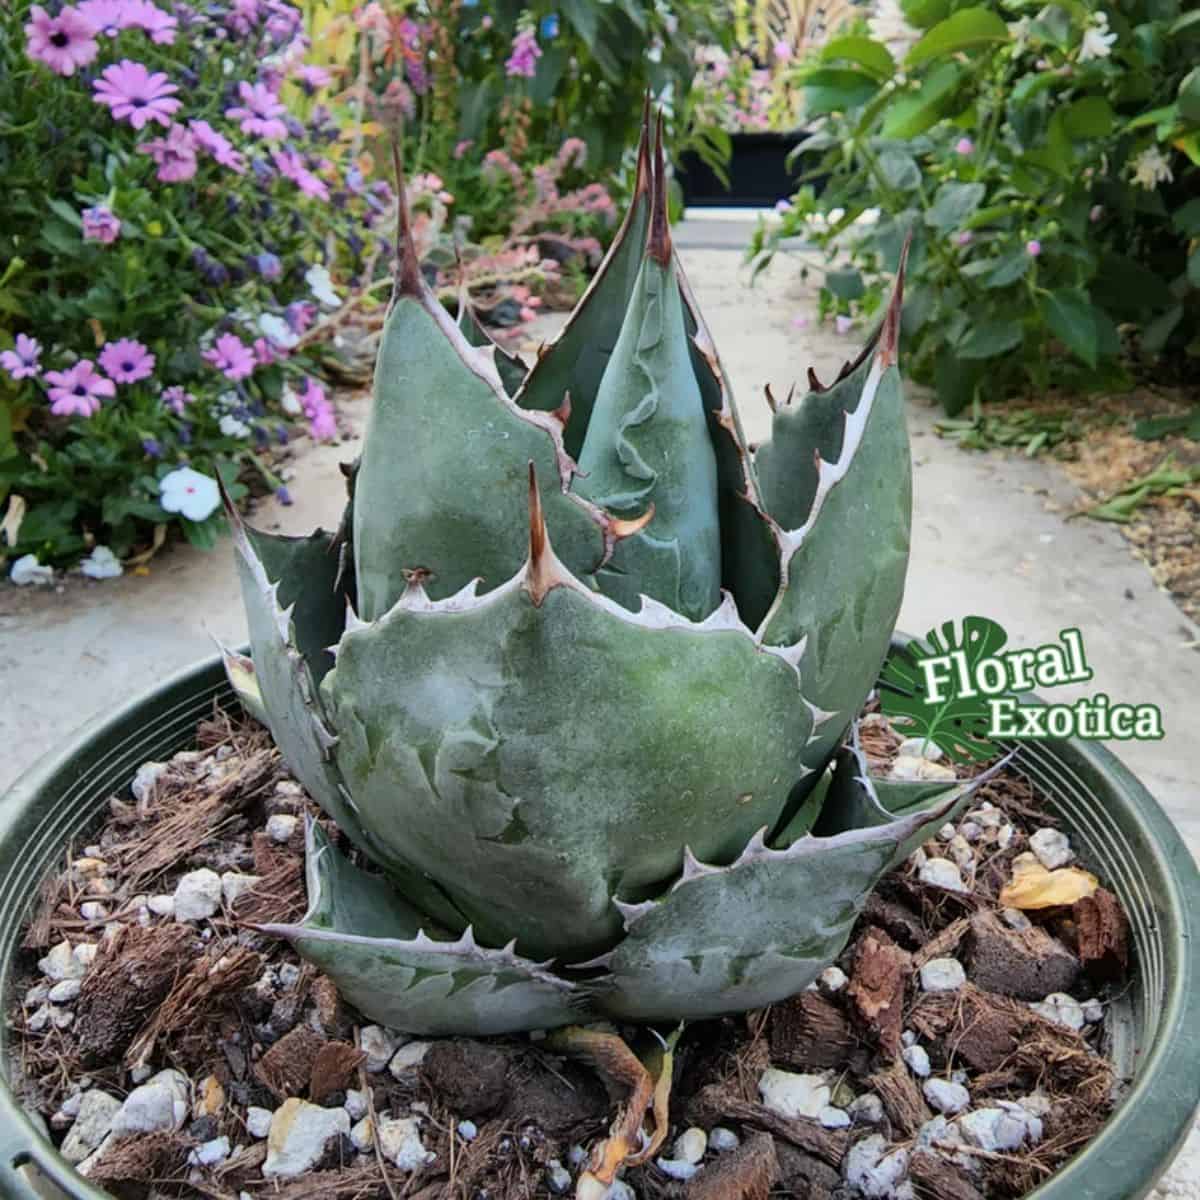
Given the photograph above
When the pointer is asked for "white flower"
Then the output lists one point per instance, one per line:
(189, 493)
(321, 286)
(27, 570)
(889, 27)
(1020, 31)
(1151, 168)
(231, 427)
(1097, 41)
(102, 563)
(277, 330)
(290, 403)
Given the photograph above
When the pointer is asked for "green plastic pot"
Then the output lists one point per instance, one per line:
(1117, 826)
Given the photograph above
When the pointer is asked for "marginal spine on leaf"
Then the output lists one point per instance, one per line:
(814, 384)
(658, 244)
(408, 278)
(544, 572)
(889, 337)
(623, 528)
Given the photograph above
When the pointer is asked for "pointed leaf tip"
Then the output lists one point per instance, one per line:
(889, 335)
(642, 178)
(658, 245)
(408, 278)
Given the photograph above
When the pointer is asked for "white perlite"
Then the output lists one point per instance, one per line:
(831, 980)
(162, 1102)
(792, 1095)
(674, 1169)
(145, 780)
(942, 975)
(97, 1110)
(620, 1190)
(234, 885)
(1006, 1126)
(378, 1045)
(407, 1059)
(161, 906)
(916, 1058)
(866, 1109)
(197, 895)
(876, 1174)
(258, 1121)
(281, 826)
(1062, 1010)
(62, 963)
(64, 991)
(1014, 918)
(363, 1135)
(1093, 1010)
(690, 1145)
(942, 873)
(208, 1154)
(960, 850)
(558, 1178)
(915, 747)
(833, 1118)
(400, 1143)
(469, 1131)
(946, 1097)
(356, 1104)
(723, 1140)
(1052, 847)
(300, 1133)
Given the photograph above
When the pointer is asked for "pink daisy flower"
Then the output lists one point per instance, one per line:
(78, 390)
(131, 91)
(291, 166)
(312, 78)
(159, 25)
(175, 155)
(100, 225)
(64, 43)
(259, 113)
(231, 356)
(22, 361)
(126, 361)
(217, 146)
(321, 423)
(108, 16)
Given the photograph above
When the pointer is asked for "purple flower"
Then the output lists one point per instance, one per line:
(321, 423)
(131, 91)
(108, 17)
(175, 155)
(299, 315)
(842, 324)
(291, 166)
(312, 78)
(782, 51)
(22, 362)
(964, 146)
(78, 390)
(283, 496)
(231, 356)
(177, 399)
(152, 447)
(100, 225)
(126, 361)
(213, 271)
(1033, 248)
(64, 42)
(259, 112)
(964, 238)
(243, 16)
(525, 53)
(151, 19)
(268, 266)
(217, 146)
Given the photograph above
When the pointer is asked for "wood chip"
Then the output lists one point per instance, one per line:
(938, 1179)
(146, 1159)
(807, 1031)
(878, 976)
(333, 1070)
(1102, 935)
(1026, 963)
(746, 1173)
(942, 944)
(897, 919)
(902, 1099)
(287, 1068)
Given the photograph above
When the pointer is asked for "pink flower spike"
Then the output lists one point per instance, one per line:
(132, 92)
(964, 146)
(78, 390)
(22, 362)
(1033, 248)
(175, 155)
(231, 356)
(126, 361)
(525, 53)
(63, 43)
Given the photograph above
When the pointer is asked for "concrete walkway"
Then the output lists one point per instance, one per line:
(989, 538)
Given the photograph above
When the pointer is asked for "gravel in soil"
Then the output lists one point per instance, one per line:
(957, 1049)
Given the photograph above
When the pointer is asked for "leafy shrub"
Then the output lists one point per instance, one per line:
(174, 200)
(1044, 160)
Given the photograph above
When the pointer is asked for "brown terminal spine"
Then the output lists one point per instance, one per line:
(658, 245)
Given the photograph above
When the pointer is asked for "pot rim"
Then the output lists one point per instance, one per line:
(1145, 1130)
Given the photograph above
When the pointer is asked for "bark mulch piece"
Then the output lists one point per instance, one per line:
(937, 1179)
(133, 974)
(1025, 963)
(807, 1032)
(470, 1078)
(878, 976)
(132, 1166)
(747, 1173)
(902, 1098)
(288, 1067)
(334, 1069)
(1102, 935)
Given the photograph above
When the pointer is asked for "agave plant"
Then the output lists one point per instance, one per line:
(574, 675)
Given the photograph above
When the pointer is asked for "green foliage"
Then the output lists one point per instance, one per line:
(1045, 160)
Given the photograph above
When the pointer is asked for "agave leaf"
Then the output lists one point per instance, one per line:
(467, 736)
(290, 702)
(648, 444)
(574, 362)
(442, 436)
(844, 564)
(749, 546)
(725, 939)
(509, 366)
(398, 969)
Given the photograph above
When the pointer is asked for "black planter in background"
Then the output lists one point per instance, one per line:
(759, 175)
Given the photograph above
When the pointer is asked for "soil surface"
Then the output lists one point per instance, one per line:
(957, 1049)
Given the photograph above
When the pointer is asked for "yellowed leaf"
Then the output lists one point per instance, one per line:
(15, 514)
(1033, 886)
